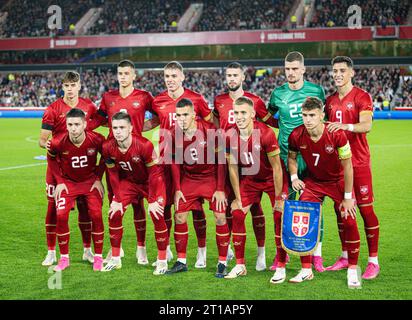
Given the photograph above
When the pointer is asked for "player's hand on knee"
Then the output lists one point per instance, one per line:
(58, 191)
(220, 198)
(114, 207)
(99, 187)
(298, 184)
(179, 196)
(236, 205)
(156, 209)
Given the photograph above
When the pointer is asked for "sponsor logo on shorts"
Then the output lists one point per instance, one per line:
(329, 148)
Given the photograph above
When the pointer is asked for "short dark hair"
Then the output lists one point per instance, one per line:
(343, 59)
(126, 63)
(76, 113)
(122, 116)
(174, 65)
(294, 56)
(244, 100)
(71, 76)
(184, 103)
(234, 65)
(312, 103)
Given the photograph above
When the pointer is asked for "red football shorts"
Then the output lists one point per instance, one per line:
(197, 189)
(362, 184)
(251, 191)
(316, 191)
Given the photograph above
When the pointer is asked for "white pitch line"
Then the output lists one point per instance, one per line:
(23, 166)
(29, 139)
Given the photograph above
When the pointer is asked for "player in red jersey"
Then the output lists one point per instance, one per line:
(73, 158)
(252, 148)
(225, 119)
(164, 107)
(197, 176)
(134, 102)
(134, 174)
(351, 109)
(329, 173)
(54, 124)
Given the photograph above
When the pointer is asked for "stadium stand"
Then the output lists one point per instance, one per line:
(243, 14)
(333, 13)
(40, 89)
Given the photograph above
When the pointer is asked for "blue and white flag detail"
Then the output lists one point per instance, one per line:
(301, 227)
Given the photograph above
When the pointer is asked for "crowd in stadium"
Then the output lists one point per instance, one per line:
(41, 89)
(162, 15)
(333, 13)
(243, 14)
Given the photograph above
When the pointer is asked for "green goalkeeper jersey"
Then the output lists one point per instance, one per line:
(288, 103)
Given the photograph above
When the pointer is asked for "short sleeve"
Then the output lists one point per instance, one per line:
(292, 144)
(261, 111)
(102, 111)
(365, 104)
(48, 120)
(149, 102)
(149, 154)
(342, 145)
(270, 143)
(272, 107)
(202, 107)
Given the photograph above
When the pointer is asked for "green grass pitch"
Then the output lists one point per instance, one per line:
(23, 245)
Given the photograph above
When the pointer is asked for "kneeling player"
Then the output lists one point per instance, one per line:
(73, 160)
(133, 174)
(252, 147)
(330, 173)
(197, 177)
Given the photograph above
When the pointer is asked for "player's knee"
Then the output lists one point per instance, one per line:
(238, 216)
(180, 218)
(220, 219)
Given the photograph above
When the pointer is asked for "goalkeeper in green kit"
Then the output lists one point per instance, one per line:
(287, 101)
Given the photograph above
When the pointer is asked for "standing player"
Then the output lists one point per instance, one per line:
(225, 119)
(134, 174)
(255, 150)
(134, 102)
(197, 176)
(73, 161)
(330, 173)
(54, 123)
(351, 109)
(287, 100)
(164, 107)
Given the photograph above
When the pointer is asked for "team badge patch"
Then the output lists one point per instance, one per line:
(136, 104)
(91, 151)
(364, 190)
(300, 227)
(349, 105)
(135, 159)
(329, 148)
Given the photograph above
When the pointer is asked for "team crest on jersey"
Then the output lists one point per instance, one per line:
(257, 147)
(300, 223)
(364, 190)
(202, 143)
(162, 107)
(91, 151)
(349, 105)
(136, 104)
(135, 159)
(329, 148)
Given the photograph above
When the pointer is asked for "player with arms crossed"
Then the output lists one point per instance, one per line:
(54, 124)
(225, 119)
(198, 176)
(164, 107)
(134, 102)
(134, 174)
(287, 100)
(329, 173)
(351, 109)
(254, 149)
(73, 161)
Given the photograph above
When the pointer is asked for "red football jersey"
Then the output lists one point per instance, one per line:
(165, 107)
(321, 157)
(253, 153)
(348, 110)
(133, 164)
(223, 109)
(135, 104)
(198, 154)
(54, 118)
(77, 163)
